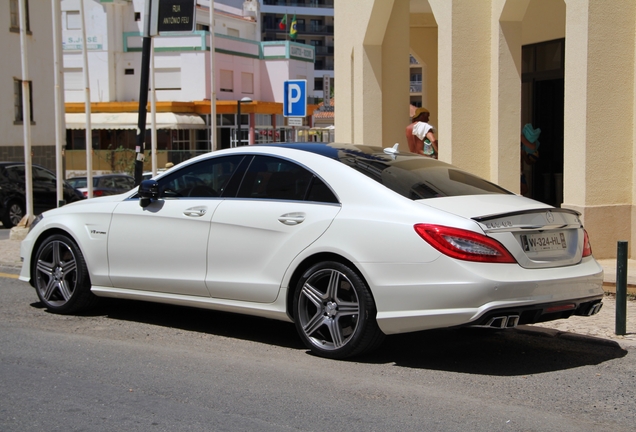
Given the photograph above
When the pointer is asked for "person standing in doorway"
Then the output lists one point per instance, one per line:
(420, 135)
(529, 154)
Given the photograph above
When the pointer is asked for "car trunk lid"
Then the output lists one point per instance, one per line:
(537, 235)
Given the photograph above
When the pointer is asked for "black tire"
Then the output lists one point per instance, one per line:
(61, 277)
(334, 312)
(13, 215)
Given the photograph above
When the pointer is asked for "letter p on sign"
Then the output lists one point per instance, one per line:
(295, 98)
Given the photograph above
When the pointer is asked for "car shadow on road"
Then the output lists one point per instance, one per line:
(522, 351)
(231, 325)
(511, 352)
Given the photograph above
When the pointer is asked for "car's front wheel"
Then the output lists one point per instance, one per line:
(13, 215)
(61, 277)
(335, 313)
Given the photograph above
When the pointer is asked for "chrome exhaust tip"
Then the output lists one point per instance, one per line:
(596, 308)
(503, 322)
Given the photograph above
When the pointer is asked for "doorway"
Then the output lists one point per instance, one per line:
(543, 106)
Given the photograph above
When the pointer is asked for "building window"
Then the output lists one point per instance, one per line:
(316, 25)
(14, 12)
(247, 82)
(227, 81)
(168, 78)
(129, 71)
(73, 20)
(137, 16)
(73, 79)
(17, 101)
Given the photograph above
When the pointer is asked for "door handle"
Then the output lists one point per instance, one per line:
(292, 218)
(195, 211)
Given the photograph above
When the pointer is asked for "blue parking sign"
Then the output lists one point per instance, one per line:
(295, 98)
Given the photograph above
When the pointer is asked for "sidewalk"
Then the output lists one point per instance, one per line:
(601, 325)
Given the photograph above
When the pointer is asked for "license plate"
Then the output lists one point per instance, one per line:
(543, 242)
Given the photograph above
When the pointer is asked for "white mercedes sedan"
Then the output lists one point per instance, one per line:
(349, 242)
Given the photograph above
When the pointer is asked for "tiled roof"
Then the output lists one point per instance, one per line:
(325, 112)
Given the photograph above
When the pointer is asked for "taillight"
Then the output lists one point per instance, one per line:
(98, 192)
(463, 244)
(587, 247)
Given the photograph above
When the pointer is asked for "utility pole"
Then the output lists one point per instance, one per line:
(143, 96)
(60, 128)
(26, 115)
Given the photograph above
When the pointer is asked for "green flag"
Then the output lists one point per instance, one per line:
(292, 28)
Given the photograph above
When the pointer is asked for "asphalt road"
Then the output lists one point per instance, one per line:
(4, 232)
(146, 367)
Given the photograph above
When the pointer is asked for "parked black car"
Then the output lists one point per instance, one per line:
(12, 192)
(104, 184)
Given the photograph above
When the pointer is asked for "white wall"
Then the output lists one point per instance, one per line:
(40, 64)
(180, 75)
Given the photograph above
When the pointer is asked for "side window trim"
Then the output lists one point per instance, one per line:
(199, 179)
(279, 182)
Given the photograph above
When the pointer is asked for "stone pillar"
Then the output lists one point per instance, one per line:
(464, 40)
(505, 92)
(599, 132)
(372, 69)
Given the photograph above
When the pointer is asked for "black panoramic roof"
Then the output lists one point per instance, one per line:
(338, 151)
(411, 175)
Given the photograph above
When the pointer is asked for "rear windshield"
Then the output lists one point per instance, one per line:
(413, 176)
(419, 177)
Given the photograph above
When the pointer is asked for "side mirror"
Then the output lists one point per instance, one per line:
(148, 191)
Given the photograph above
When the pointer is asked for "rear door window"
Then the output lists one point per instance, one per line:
(269, 177)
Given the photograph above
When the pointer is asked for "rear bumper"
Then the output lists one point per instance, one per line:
(513, 316)
(450, 293)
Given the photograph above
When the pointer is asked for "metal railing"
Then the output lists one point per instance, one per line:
(300, 28)
(324, 50)
(300, 3)
(416, 87)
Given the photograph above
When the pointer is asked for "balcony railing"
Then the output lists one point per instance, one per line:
(416, 87)
(301, 28)
(300, 3)
(320, 65)
(323, 50)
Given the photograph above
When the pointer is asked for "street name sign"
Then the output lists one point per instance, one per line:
(172, 16)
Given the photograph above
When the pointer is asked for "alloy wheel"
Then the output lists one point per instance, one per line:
(56, 273)
(328, 309)
(15, 213)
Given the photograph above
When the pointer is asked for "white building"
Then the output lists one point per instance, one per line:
(243, 67)
(40, 64)
(315, 27)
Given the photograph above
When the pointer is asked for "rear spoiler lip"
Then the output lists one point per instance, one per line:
(521, 212)
(496, 227)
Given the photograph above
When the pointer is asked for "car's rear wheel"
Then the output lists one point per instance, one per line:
(335, 313)
(13, 215)
(61, 277)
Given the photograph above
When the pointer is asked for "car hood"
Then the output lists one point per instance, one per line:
(476, 206)
(107, 198)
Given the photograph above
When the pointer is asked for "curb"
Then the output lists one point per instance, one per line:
(610, 288)
(625, 345)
